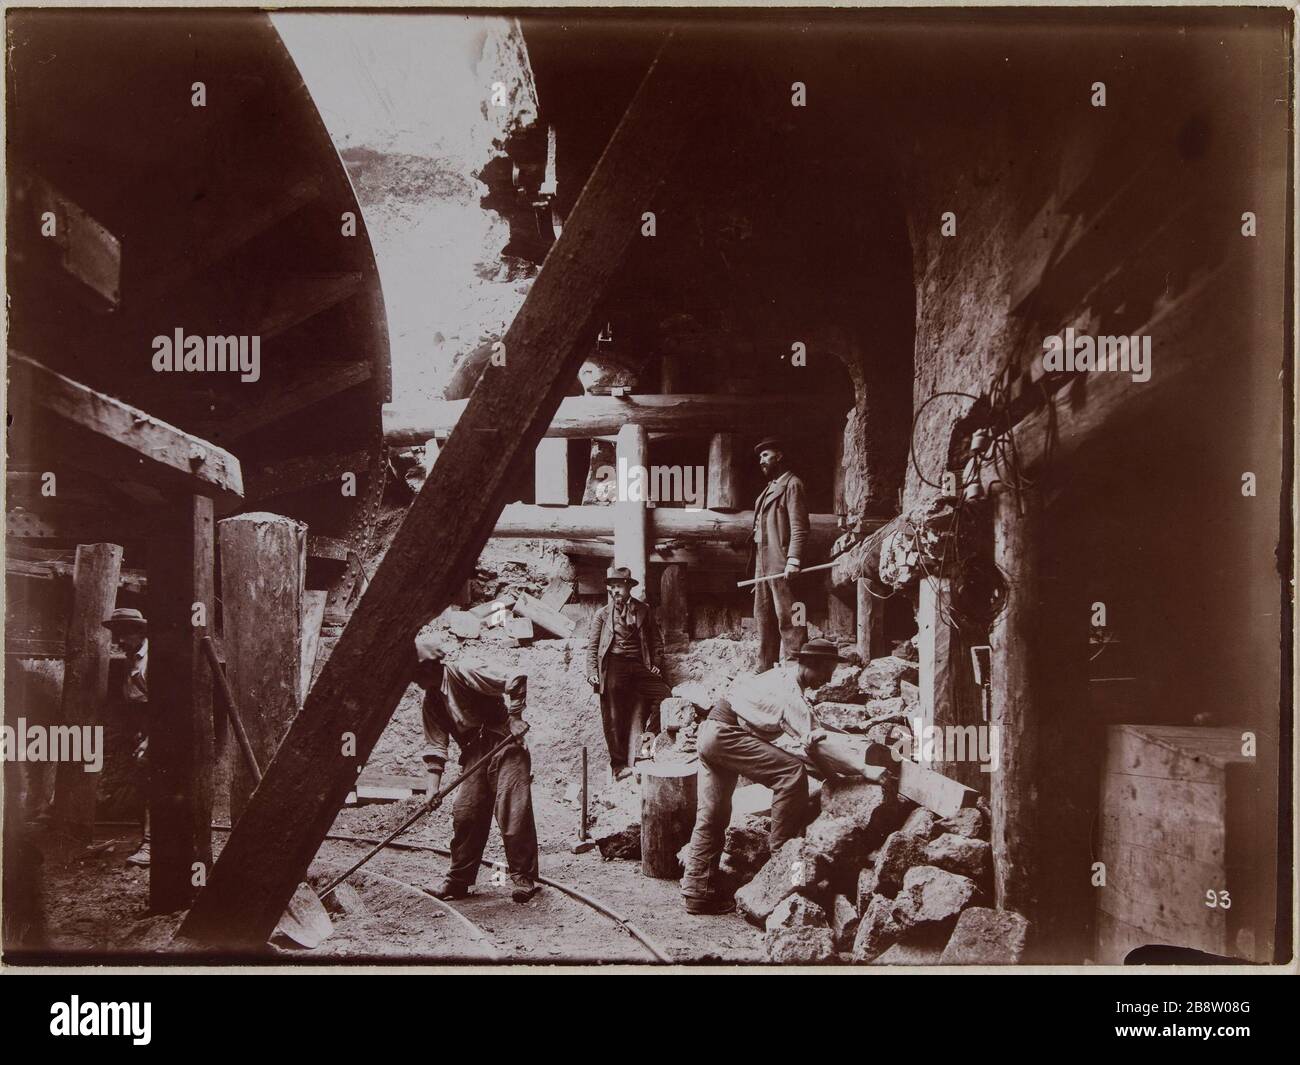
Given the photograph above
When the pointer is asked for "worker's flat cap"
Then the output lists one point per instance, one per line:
(775, 443)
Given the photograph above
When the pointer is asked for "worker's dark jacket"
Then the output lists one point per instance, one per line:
(780, 526)
(601, 638)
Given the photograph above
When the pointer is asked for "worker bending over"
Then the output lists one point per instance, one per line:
(739, 738)
(478, 707)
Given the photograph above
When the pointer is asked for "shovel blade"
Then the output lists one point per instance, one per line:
(306, 921)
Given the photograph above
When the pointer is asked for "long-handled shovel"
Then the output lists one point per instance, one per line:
(305, 921)
(429, 805)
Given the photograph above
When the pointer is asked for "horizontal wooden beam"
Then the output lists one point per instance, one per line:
(726, 558)
(590, 416)
(132, 580)
(522, 521)
(123, 441)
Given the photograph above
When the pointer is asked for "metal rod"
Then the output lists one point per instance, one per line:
(778, 576)
(582, 827)
(232, 711)
(430, 804)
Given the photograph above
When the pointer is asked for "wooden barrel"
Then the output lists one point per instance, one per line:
(667, 815)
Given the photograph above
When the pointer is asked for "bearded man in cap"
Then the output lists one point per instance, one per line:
(130, 631)
(765, 730)
(623, 665)
(780, 543)
(478, 706)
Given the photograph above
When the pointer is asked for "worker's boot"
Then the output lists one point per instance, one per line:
(447, 890)
(709, 905)
(140, 857)
(525, 888)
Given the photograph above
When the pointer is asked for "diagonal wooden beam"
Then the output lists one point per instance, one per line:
(373, 662)
(96, 432)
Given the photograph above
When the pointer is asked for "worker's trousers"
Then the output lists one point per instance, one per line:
(501, 788)
(778, 637)
(629, 689)
(726, 752)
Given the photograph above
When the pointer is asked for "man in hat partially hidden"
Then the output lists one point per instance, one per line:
(623, 665)
(130, 631)
(478, 706)
(779, 547)
(740, 737)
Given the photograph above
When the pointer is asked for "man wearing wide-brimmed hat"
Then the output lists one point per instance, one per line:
(130, 631)
(623, 665)
(780, 543)
(740, 737)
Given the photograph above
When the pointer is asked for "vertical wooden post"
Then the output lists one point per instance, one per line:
(263, 558)
(1012, 638)
(724, 473)
(631, 541)
(95, 573)
(181, 602)
(841, 613)
(934, 645)
(674, 609)
(870, 621)
(551, 472)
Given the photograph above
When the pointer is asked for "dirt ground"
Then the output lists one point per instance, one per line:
(98, 905)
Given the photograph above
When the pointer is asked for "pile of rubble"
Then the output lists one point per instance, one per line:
(876, 878)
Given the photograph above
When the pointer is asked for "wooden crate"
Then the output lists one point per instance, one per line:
(1183, 813)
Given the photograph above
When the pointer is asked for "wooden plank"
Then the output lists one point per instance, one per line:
(85, 678)
(181, 607)
(87, 250)
(584, 417)
(551, 473)
(313, 614)
(551, 620)
(134, 581)
(139, 446)
(220, 224)
(263, 562)
(558, 591)
(306, 471)
(682, 97)
(933, 790)
(1164, 895)
(1012, 636)
(631, 524)
(725, 472)
(306, 390)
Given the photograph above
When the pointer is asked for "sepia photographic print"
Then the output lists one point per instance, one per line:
(645, 487)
